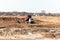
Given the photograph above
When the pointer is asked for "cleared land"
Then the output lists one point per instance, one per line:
(15, 27)
(40, 21)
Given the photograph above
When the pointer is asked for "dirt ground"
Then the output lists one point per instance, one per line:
(40, 21)
(15, 28)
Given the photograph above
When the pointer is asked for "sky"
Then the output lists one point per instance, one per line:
(52, 6)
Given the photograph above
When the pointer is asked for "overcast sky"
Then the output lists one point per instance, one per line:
(30, 5)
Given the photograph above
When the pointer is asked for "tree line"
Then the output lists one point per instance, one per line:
(28, 13)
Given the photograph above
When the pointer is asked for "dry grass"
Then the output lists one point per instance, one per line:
(11, 27)
(40, 21)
